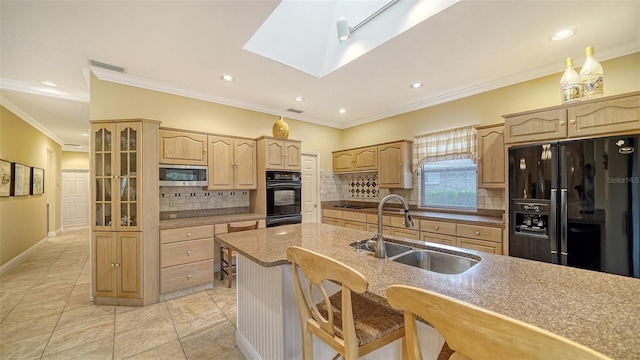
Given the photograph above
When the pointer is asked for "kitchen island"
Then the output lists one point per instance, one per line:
(598, 310)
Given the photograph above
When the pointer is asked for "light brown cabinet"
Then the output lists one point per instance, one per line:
(181, 147)
(361, 159)
(232, 163)
(610, 115)
(394, 170)
(481, 238)
(491, 166)
(278, 154)
(124, 163)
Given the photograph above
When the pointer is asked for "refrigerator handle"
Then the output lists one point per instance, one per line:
(553, 238)
(563, 226)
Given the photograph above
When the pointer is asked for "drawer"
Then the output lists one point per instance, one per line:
(354, 225)
(190, 233)
(332, 213)
(438, 238)
(480, 245)
(398, 222)
(438, 227)
(185, 252)
(373, 228)
(479, 232)
(184, 276)
(350, 215)
(373, 219)
(332, 221)
(405, 233)
(223, 229)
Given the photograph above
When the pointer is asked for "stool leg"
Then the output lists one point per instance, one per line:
(221, 263)
(229, 266)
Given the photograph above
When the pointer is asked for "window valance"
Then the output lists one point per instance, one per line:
(459, 143)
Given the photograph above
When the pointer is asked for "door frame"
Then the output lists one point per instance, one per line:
(317, 190)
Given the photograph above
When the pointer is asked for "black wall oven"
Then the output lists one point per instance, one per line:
(284, 198)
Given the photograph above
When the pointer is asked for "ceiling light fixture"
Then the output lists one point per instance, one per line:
(48, 83)
(342, 111)
(227, 78)
(344, 31)
(298, 99)
(416, 85)
(562, 34)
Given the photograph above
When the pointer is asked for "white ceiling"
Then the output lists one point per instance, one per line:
(184, 47)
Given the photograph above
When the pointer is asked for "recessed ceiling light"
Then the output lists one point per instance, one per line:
(342, 111)
(48, 83)
(562, 34)
(298, 99)
(416, 85)
(85, 134)
(227, 78)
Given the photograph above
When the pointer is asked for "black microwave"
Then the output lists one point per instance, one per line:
(183, 175)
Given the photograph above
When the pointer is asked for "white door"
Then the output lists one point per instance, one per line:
(310, 196)
(75, 198)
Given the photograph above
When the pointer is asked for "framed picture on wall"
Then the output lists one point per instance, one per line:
(5, 178)
(37, 181)
(21, 180)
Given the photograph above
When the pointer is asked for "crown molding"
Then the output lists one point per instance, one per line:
(28, 119)
(22, 86)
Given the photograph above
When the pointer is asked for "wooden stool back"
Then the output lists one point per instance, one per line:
(226, 265)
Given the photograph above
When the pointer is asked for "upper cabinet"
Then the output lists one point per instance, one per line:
(361, 159)
(181, 147)
(604, 116)
(394, 170)
(232, 163)
(279, 154)
(491, 167)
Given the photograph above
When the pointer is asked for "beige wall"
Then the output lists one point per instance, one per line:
(75, 160)
(621, 75)
(23, 219)
(116, 101)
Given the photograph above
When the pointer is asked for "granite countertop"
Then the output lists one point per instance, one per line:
(208, 220)
(486, 220)
(599, 310)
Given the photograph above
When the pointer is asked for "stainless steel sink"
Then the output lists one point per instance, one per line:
(436, 261)
(392, 248)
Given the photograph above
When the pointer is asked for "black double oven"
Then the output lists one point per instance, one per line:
(284, 198)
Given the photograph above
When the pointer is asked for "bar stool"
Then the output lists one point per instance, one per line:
(347, 321)
(476, 333)
(228, 266)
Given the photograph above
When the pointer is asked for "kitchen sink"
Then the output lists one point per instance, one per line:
(392, 248)
(436, 261)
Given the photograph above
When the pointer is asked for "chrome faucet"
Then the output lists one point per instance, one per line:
(379, 247)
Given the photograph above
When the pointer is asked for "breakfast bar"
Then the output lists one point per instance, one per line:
(598, 310)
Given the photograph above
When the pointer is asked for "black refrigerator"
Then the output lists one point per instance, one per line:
(576, 203)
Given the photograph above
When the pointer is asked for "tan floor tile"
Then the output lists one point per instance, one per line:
(77, 302)
(124, 309)
(45, 293)
(193, 313)
(96, 350)
(140, 316)
(234, 354)
(84, 333)
(222, 293)
(86, 314)
(30, 348)
(81, 289)
(171, 350)
(18, 280)
(143, 338)
(34, 312)
(210, 342)
(26, 329)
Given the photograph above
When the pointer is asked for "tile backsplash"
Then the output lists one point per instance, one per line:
(179, 198)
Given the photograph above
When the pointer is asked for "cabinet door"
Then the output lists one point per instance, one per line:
(129, 177)
(103, 264)
(491, 170)
(394, 170)
(540, 126)
(365, 158)
(479, 245)
(356, 225)
(343, 161)
(246, 173)
(405, 233)
(606, 117)
(332, 221)
(292, 154)
(128, 265)
(178, 147)
(275, 154)
(103, 187)
(221, 163)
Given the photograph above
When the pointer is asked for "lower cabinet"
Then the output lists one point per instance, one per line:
(186, 257)
(481, 238)
(116, 264)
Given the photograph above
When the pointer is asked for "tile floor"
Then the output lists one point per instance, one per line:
(45, 313)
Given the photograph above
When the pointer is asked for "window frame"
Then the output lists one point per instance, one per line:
(421, 188)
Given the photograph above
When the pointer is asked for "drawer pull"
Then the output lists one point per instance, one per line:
(189, 276)
(477, 232)
(188, 234)
(117, 265)
(436, 227)
(113, 265)
(188, 252)
(572, 121)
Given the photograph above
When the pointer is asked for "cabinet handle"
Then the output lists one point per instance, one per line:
(572, 121)
(188, 234)
(436, 227)
(189, 276)
(477, 232)
(188, 252)
(561, 122)
(117, 265)
(113, 265)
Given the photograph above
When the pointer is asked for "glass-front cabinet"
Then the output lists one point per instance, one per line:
(117, 179)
